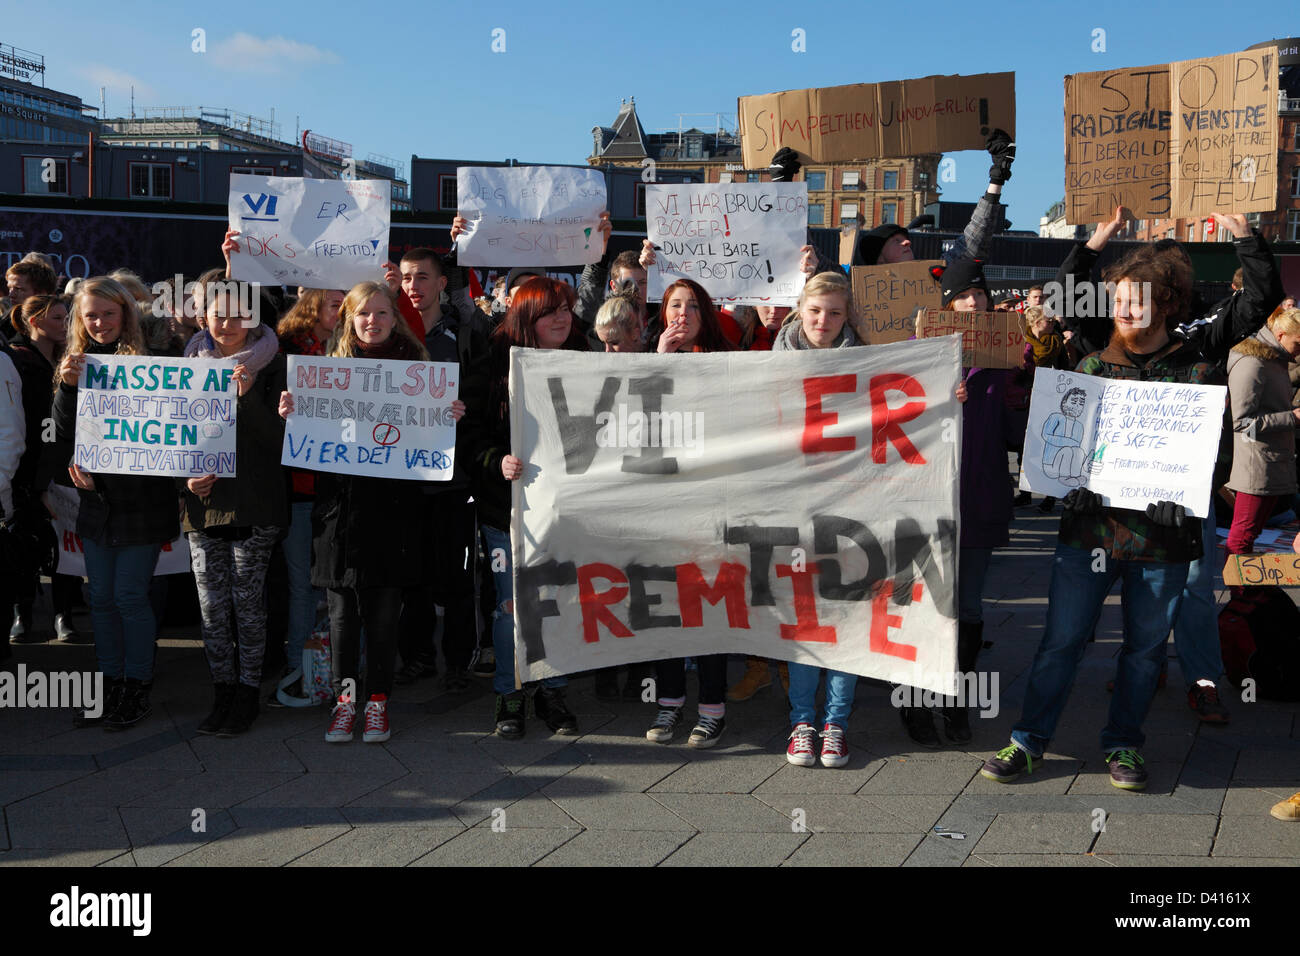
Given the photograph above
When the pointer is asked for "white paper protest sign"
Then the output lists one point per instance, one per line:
(151, 415)
(740, 241)
(66, 504)
(540, 216)
(795, 505)
(317, 233)
(383, 418)
(1131, 442)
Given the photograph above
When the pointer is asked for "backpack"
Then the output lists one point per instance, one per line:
(1259, 636)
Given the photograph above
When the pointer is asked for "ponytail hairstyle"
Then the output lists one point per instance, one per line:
(130, 339)
(35, 307)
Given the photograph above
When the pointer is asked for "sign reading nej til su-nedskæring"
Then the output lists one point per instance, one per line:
(316, 233)
(146, 415)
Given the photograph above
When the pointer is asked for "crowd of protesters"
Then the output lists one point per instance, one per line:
(278, 553)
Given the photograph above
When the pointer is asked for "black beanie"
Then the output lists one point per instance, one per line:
(514, 278)
(867, 251)
(961, 275)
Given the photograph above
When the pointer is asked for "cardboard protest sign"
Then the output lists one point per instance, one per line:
(740, 241)
(934, 114)
(848, 242)
(148, 415)
(796, 505)
(1133, 443)
(889, 297)
(1280, 570)
(1175, 140)
(989, 339)
(381, 418)
(317, 233)
(530, 215)
(66, 503)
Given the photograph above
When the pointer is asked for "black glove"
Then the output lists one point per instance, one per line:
(1082, 501)
(1167, 514)
(1002, 149)
(785, 165)
(454, 273)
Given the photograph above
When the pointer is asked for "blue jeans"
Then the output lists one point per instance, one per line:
(303, 598)
(972, 569)
(1196, 615)
(1150, 596)
(497, 545)
(125, 626)
(804, 679)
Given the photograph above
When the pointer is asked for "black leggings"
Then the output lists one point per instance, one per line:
(378, 609)
(712, 669)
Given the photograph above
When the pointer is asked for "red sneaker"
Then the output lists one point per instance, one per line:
(835, 752)
(344, 716)
(376, 719)
(800, 752)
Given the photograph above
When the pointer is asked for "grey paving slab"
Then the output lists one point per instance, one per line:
(517, 754)
(159, 835)
(624, 774)
(55, 857)
(486, 847)
(612, 848)
(317, 756)
(1263, 766)
(835, 813)
(427, 790)
(377, 846)
(614, 810)
(215, 788)
(819, 779)
(854, 849)
(107, 788)
(1248, 836)
(321, 789)
(17, 784)
(499, 795)
(124, 859)
(441, 817)
(259, 846)
(246, 753)
(726, 813)
(1157, 834)
(714, 772)
(1037, 833)
(32, 826)
(936, 775)
(921, 812)
(533, 811)
(737, 849)
(1018, 860)
(445, 754)
(1053, 776)
(1254, 800)
(1094, 778)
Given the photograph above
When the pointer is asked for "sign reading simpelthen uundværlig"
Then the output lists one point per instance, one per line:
(542, 216)
(146, 415)
(796, 505)
(317, 233)
(385, 418)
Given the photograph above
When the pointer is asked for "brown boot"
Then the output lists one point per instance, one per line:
(757, 676)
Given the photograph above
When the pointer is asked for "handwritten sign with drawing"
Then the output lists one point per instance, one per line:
(530, 215)
(316, 233)
(1133, 443)
(384, 418)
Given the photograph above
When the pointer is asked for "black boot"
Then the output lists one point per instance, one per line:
(66, 631)
(956, 719)
(225, 696)
(242, 713)
(549, 705)
(20, 632)
(113, 688)
(510, 715)
(133, 708)
(920, 725)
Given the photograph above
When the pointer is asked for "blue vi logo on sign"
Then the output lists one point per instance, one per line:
(264, 204)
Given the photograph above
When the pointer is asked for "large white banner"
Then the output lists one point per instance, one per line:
(66, 504)
(1131, 442)
(795, 505)
(740, 241)
(147, 415)
(317, 233)
(385, 418)
(540, 216)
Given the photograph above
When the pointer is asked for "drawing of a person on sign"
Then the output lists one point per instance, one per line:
(1063, 455)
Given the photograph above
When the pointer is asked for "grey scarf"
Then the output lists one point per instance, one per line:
(259, 348)
(792, 339)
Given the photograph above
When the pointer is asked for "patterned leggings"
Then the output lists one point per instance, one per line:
(229, 572)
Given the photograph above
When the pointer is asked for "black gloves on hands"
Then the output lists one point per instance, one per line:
(1167, 514)
(1002, 149)
(1082, 501)
(785, 165)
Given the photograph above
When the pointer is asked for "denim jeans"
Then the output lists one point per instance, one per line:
(840, 687)
(125, 626)
(1196, 615)
(1075, 596)
(303, 598)
(972, 569)
(497, 542)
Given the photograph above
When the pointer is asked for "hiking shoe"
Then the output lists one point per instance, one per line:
(510, 715)
(548, 704)
(661, 731)
(1008, 764)
(757, 676)
(415, 670)
(485, 663)
(1204, 701)
(341, 721)
(919, 723)
(800, 752)
(1126, 771)
(706, 732)
(376, 720)
(835, 752)
(1288, 809)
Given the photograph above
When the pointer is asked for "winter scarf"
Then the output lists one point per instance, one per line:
(792, 339)
(259, 348)
(1045, 349)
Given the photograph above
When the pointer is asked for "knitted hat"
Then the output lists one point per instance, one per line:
(867, 251)
(962, 275)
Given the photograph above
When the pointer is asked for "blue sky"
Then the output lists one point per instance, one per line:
(427, 82)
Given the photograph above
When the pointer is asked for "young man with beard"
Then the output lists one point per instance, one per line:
(1150, 551)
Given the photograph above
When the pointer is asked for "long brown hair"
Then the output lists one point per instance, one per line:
(532, 300)
(710, 337)
(346, 344)
(130, 340)
(302, 318)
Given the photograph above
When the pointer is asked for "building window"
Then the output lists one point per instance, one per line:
(1296, 142)
(1191, 233)
(848, 213)
(447, 194)
(694, 148)
(751, 177)
(1295, 183)
(816, 214)
(851, 179)
(151, 180)
(1293, 225)
(257, 170)
(724, 177)
(45, 177)
(816, 181)
(638, 201)
(888, 212)
(923, 179)
(890, 179)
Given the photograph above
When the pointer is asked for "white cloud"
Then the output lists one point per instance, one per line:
(243, 51)
(119, 85)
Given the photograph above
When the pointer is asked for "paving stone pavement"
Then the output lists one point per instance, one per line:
(444, 791)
